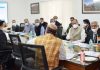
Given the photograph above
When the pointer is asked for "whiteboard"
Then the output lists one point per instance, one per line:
(3, 11)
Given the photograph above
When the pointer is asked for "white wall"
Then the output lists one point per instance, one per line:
(20, 9)
(77, 12)
(50, 8)
(16, 10)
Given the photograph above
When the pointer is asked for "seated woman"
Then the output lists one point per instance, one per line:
(87, 28)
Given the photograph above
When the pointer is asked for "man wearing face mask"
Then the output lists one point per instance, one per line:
(15, 27)
(76, 33)
(29, 27)
(95, 31)
(38, 28)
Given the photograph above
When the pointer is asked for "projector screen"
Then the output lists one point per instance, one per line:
(3, 11)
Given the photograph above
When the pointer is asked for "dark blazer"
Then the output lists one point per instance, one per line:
(58, 24)
(15, 28)
(44, 24)
(3, 41)
(90, 36)
(37, 30)
(70, 25)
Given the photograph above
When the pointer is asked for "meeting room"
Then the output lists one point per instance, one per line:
(49, 34)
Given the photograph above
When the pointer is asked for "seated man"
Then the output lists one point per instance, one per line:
(52, 45)
(4, 46)
(39, 29)
(15, 26)
(76, 33)
(70, 25)
(94, 32)
(29, 27)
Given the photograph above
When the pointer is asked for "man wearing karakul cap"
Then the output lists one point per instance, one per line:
(51, 44)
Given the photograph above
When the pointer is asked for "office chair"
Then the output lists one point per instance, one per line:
(32, 61)
(16, 54)
(22, 25)
(35, 61)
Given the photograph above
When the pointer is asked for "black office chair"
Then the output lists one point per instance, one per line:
(35, 61)
(16, 54)
(22, 25)
(4, 57)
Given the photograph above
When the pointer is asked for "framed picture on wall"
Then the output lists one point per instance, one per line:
(35, 8)
(90, 6)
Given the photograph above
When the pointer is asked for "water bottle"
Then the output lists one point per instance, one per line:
(82, 56)
(30, 35)
(91, 45)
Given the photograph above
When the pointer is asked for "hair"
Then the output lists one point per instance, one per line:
(51, 31)
(72, 18)
(1, 22)
(55, 17)
(41, 18)
(86, 21)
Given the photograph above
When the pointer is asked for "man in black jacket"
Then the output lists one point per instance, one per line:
(43, 23)
(4, 47)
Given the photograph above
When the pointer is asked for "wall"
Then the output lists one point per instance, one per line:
(16, 10)
(50, 8)
(20, 9)
(77, 12)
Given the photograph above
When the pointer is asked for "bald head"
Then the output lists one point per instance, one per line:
(94, 25)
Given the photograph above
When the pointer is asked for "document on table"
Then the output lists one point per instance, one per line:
(70, 55)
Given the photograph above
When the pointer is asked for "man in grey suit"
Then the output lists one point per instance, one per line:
(29, 27)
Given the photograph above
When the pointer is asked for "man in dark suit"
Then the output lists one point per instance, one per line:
(43, 23)
(37, 27)
(3, 47)
(94, 33)
(15, 27)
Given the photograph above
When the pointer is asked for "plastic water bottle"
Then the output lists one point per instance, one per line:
(30, 35)
(91, 45)
(82, 56)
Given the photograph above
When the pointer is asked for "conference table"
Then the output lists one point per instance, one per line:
(74, 65)
(70, 59)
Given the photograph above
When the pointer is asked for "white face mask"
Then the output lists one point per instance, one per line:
(14, 24)
(37, 24)
(84, 25)
(75, 26)
(94, 30)
(55, 19)
(26, 23)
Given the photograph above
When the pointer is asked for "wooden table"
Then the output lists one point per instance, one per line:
(75, 66)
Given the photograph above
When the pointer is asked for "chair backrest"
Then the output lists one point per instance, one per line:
(34, 57)
(22, 25)
(15, 40)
